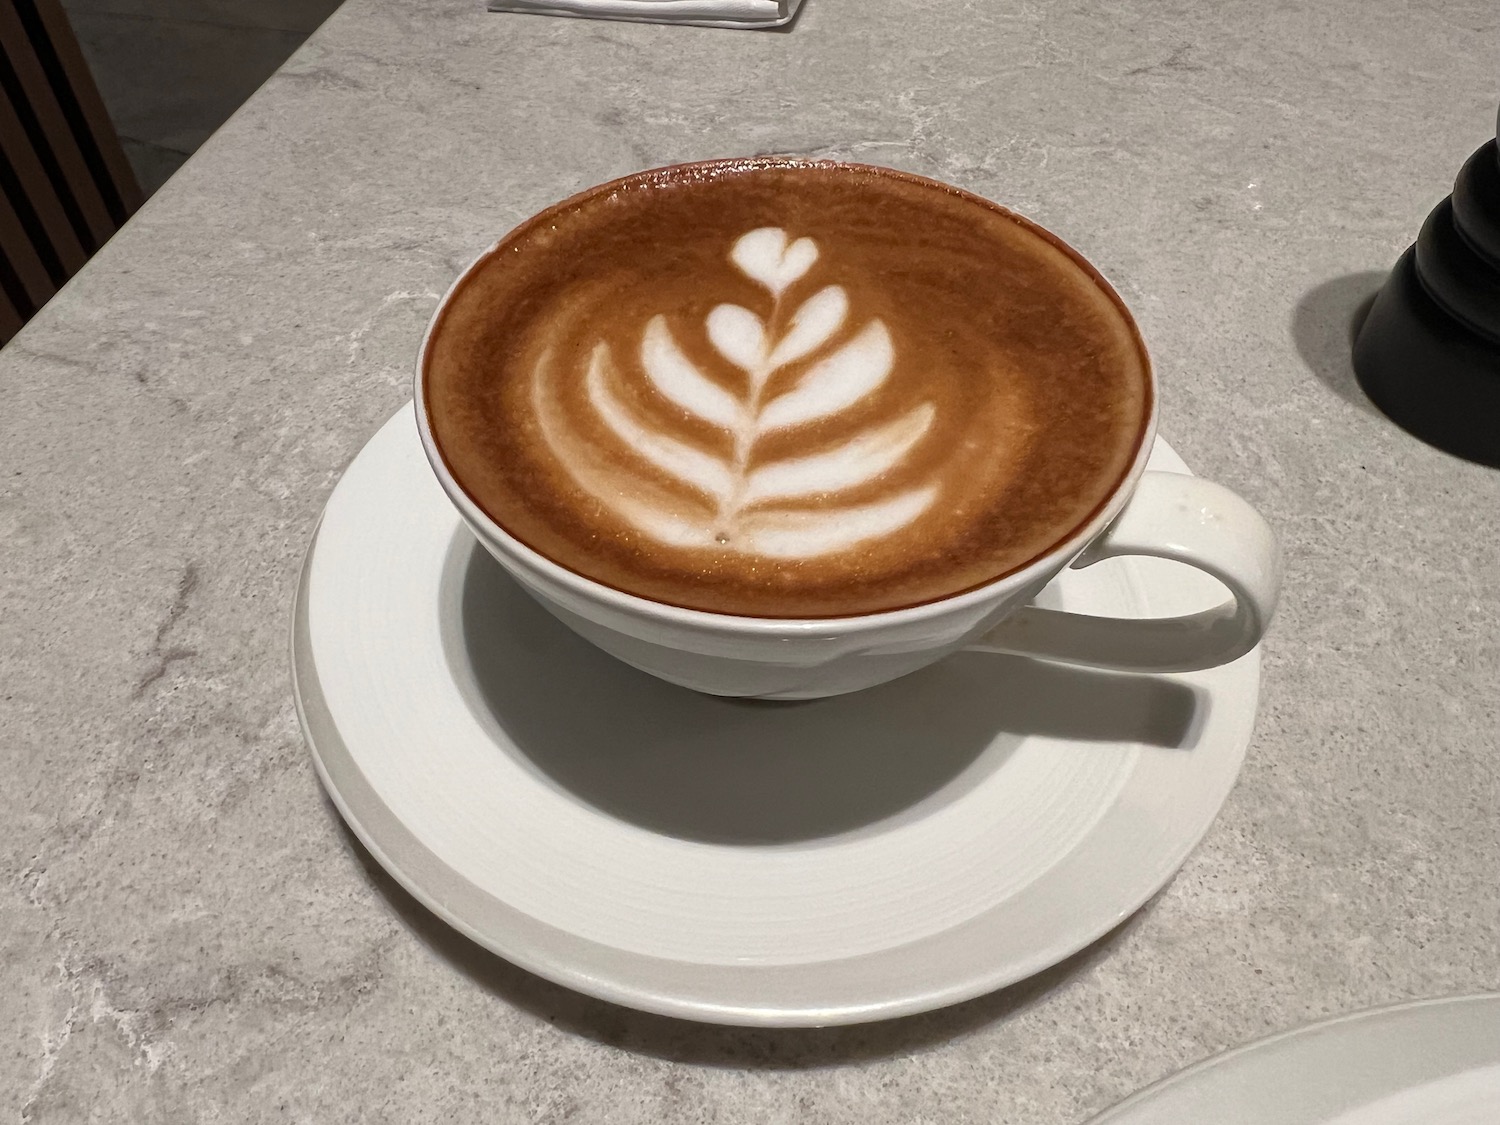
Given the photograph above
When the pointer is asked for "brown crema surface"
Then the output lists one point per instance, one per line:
(635, 390)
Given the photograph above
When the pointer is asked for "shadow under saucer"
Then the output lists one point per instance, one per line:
(729, 771)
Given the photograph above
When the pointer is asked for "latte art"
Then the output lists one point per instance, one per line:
(738, 503)
(784, 388)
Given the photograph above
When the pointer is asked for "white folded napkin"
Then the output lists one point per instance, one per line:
(703, 13)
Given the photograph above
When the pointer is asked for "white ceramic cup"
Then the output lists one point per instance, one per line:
(1168, 515)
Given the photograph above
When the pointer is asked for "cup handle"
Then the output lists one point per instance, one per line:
(1170, 516)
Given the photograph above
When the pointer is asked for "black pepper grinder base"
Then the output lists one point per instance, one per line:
(1428, 353)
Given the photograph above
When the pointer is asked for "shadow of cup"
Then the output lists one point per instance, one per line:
(743, 773)
(729, 771)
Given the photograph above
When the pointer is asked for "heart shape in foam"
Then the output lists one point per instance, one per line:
(765, 256)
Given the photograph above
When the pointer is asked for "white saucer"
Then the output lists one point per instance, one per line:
(1433, 1062)
(792, 864)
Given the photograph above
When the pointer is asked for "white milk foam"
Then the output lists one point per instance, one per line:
(743, 500)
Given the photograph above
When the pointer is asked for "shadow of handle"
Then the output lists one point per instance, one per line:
(1177, 517)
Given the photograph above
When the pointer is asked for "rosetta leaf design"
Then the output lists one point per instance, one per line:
(766, 256)
(861, 459)
(677, 379)
(813, 325)
(740, 337)
(835, 382)
(754, 506)
(690, 465)
(808, 534)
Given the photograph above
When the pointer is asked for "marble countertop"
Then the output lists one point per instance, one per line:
(187, 932)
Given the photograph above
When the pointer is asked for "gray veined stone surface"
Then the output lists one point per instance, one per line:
(186, 931)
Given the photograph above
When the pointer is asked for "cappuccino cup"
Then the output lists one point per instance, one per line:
(784, 428)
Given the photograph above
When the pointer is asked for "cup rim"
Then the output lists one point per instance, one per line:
(634, 604)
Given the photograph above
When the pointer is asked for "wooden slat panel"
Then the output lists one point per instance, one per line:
(65, 184)
(86, 94)
(42, 100)
(10, 317)
(22, 256)
(22, 158)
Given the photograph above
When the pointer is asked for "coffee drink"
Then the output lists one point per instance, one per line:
(785, 388)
